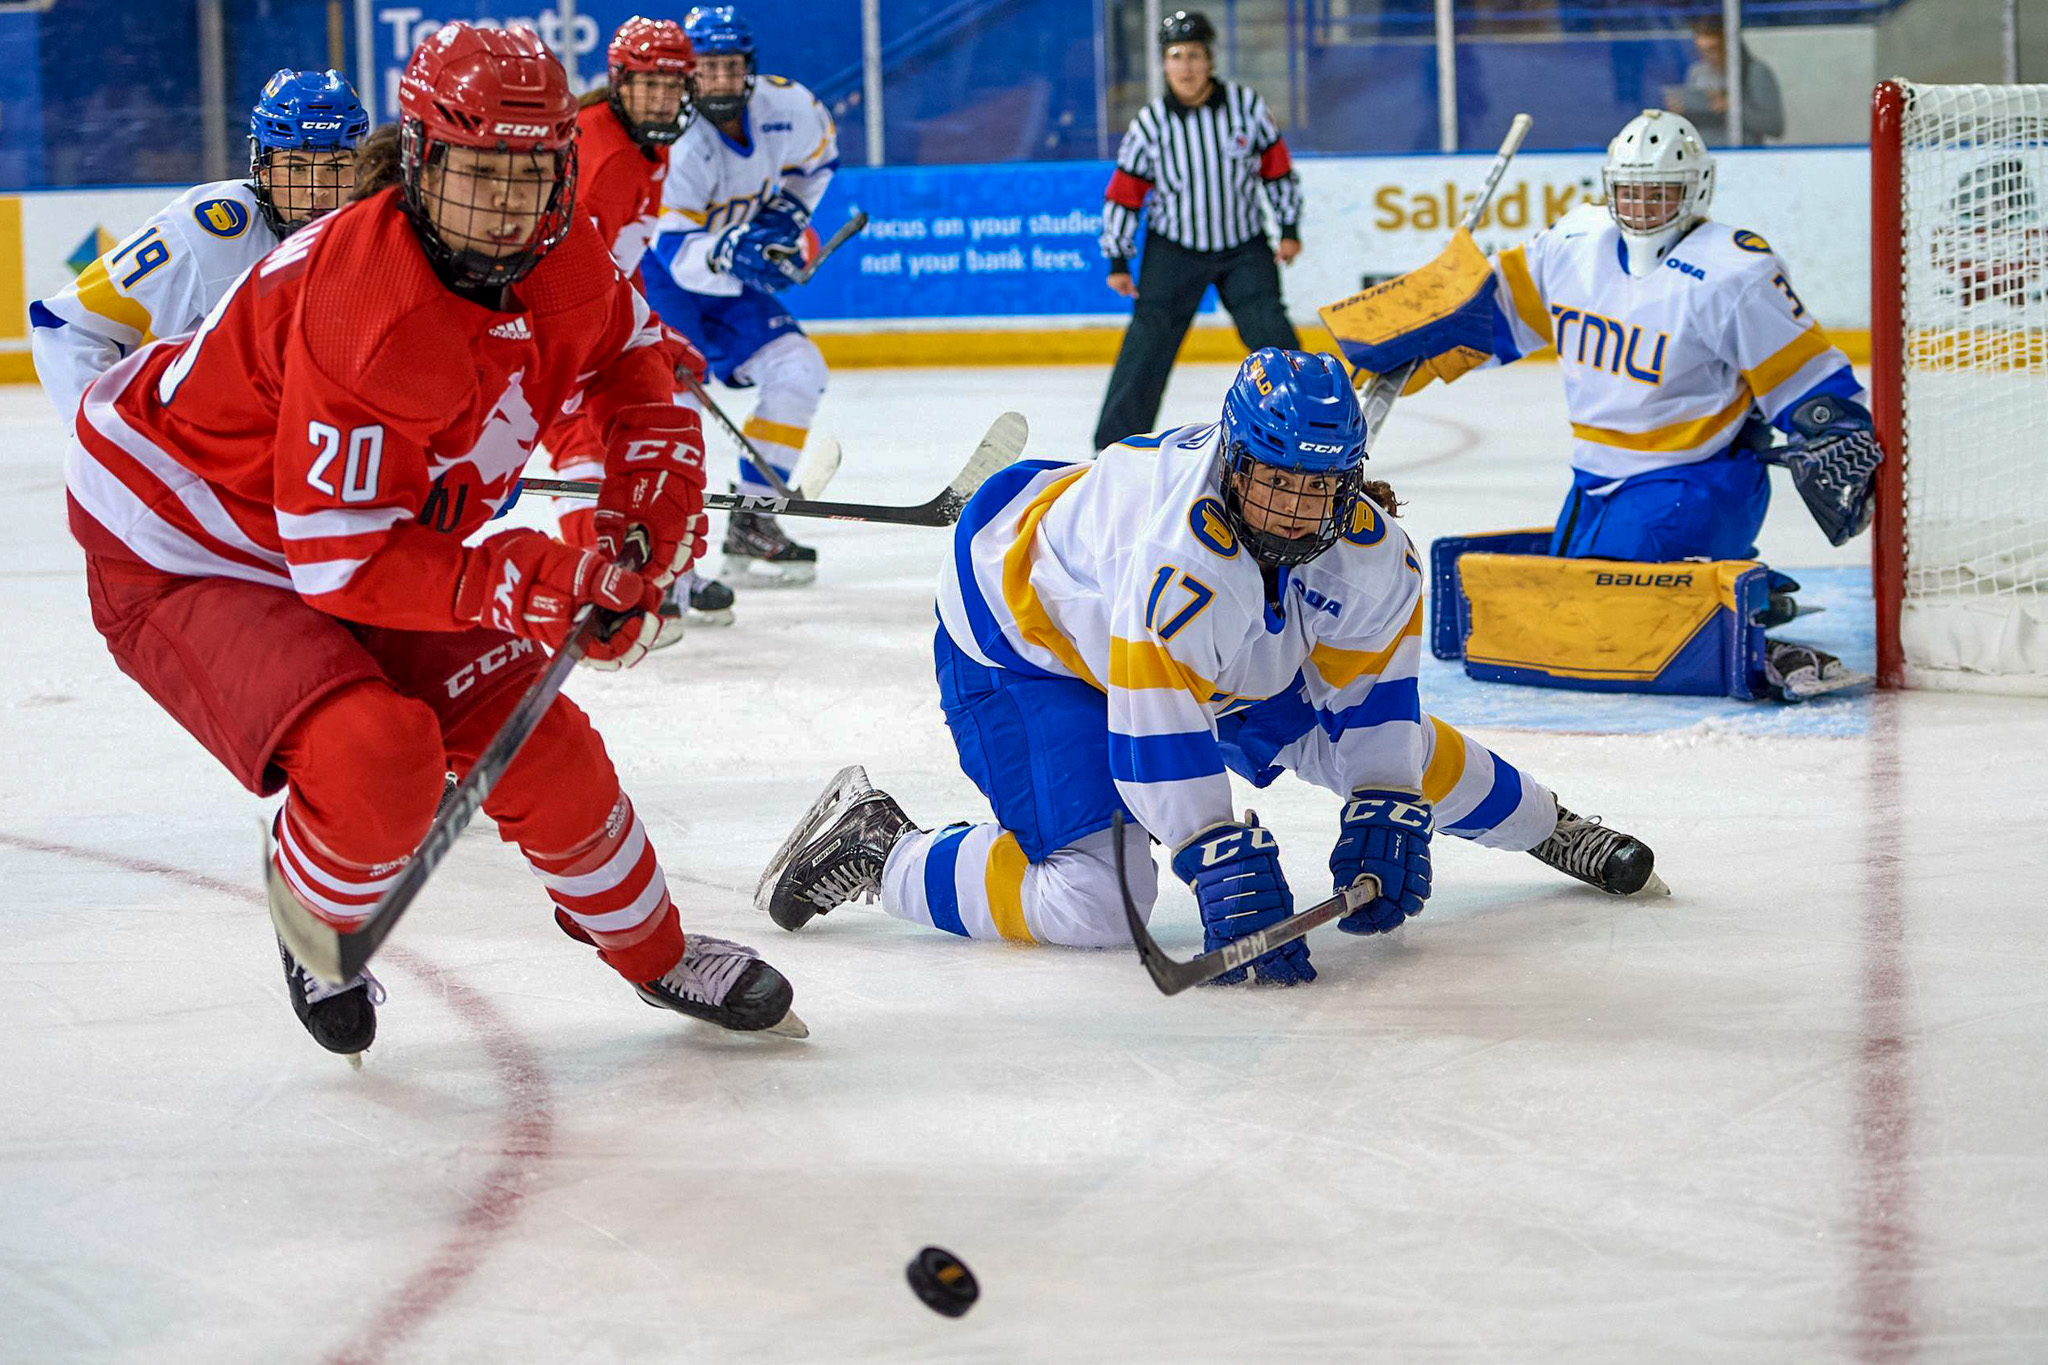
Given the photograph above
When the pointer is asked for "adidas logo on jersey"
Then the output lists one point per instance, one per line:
(515, 330)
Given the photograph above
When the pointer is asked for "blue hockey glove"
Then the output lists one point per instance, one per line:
(1235, 873)
(1834, 457)
(782, 219)
(1385, 834)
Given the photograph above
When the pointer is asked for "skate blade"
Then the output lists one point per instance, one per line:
(789, 1026)
(846, 784)
(671, 632)
(707, 619)
(1653, 887)
(1841, 682)
(763, 573)
(354, 1059)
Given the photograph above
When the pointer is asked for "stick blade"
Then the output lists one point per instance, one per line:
(815, 471)
(997, 450)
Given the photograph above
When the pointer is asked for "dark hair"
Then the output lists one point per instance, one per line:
(1382, 492)
(377, 165)
(1703, 25)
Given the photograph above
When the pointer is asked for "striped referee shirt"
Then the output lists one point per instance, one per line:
(1203, 167)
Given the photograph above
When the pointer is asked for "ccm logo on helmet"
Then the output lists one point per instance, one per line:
(520, 130)
(1318, 448)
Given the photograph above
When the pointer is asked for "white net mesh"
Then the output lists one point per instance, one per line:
(1975, 389)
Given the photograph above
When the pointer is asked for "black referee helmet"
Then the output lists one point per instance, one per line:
(1187, 26)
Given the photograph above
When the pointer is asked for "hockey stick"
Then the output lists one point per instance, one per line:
(1380, 393)
(1172, 976)
(1003, 444)
(696, 389)
(337, 956)
(846, 233)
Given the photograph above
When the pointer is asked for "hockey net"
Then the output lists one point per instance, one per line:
(1959, 343)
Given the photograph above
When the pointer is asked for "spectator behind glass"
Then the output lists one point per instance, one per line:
(1704, 96)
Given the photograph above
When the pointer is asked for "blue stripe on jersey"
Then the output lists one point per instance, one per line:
(1388, 701)
(1499, 804)
(940, 895)
(1164, 758)
(1503, 334)
(1001, 489)
(40, 316)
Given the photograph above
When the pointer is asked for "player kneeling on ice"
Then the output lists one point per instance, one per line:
(273, 511)
(1682, 345)
(1119, 636)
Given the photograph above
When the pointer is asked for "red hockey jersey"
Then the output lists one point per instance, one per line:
(342, 419)
(618, 186)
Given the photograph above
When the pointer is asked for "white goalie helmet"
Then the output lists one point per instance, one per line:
(1659, 181)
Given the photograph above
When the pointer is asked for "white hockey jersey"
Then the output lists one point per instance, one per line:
(714, 182)
(1124, 574)
(1663, 370)
(161, 281)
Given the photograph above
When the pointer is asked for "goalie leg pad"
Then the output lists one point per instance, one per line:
(1603, 626)
(1710, 509)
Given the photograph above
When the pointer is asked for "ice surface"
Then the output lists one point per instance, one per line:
(1796, 1112)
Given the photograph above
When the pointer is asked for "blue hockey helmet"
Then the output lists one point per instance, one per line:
(304, 111)
(718, 31)
(1293, 440)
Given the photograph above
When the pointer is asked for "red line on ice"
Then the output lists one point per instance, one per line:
(525, 1141)
(1883, 1324)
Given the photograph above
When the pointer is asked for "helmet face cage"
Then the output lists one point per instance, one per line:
(718, 31)
(1245, 491)
(656, 132)
(454, 209)
(314, 118)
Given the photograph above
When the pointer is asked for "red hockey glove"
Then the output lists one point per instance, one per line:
(526, 584)
(688, 359)
(654, 479)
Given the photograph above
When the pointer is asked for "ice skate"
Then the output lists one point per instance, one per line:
(1617, 863)
(759, 554)
(692, 601)
(836, 852)
(342, 1019)
(1801, 672)
(726, 984)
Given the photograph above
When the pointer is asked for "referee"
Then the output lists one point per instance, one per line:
(1203, 151)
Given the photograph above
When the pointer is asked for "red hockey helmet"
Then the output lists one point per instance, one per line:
(500, 97)
(654, 48)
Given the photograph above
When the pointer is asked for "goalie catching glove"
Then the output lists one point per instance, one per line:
(1834, 457)
(1234, 871)
(654, 481)
(1386, 835)
(1440, 316)
(528, 584)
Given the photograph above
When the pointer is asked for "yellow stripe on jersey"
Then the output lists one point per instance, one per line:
(1677, 436)
(1003, 879)
(780, 433)
(1514, 263)
(1787, 361)
(1446, 765)
(1342, 667)
(812, 155)
(1135, 665)
(691, 214)
(96, 291)
(1033, 624)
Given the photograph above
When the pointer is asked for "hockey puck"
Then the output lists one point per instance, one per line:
(945, 1284)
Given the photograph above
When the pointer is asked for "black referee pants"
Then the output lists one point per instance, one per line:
(1171, 282)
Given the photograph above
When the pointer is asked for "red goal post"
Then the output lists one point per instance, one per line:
(1959, 382)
